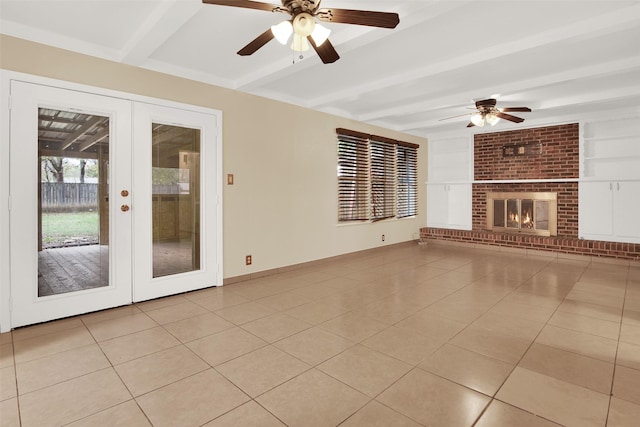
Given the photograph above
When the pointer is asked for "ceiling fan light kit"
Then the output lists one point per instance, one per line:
(282, 31)
(487, 112)
(306, 31)
(320, 34)
(299, 43)
(479, 119)
(303, 26)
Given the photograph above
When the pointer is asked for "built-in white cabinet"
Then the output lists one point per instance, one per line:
(609, 188)
(449, 206)
(608, 210)
(449, 187)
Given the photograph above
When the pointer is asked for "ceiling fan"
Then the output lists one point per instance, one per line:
(302, 23)
(487, 112)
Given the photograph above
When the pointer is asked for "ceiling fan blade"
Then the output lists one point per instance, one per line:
(509, 117)
(515, 109)
(470, 125)
(359, 17)
(256, 43)
(247, 4)
(325, 51)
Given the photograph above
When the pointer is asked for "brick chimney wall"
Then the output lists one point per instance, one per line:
(555, 156)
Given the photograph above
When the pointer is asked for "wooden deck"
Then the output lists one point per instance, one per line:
(76, 268)
(71, 269)
(172, 257)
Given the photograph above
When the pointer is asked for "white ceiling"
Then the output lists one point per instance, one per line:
(560, 58)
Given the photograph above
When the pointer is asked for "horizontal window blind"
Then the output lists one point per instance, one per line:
(377, 177)
(382, 180)
(407, 173)
(353, 178)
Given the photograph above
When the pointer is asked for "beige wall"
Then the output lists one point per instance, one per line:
(282, 208)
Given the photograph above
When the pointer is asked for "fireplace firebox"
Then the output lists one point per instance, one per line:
(523, 212)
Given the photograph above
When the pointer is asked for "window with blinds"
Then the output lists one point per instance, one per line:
(383, 179)
(407, 167)
(353, 178)
(377, 177)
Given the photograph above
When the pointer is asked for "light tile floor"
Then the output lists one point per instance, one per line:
(404, 336)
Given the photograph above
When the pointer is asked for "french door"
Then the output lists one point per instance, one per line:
(98, 182)
(175, 241)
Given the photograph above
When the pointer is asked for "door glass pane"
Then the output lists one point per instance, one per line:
(175, 199)
(542, 215)
(513, 214)
(498, 213)
(527, 214)
(73, 202)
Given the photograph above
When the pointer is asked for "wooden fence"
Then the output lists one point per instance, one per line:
(68, 197)
(74, 197)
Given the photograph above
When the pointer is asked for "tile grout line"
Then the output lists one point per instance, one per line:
(312, 367)
(439, 376)
(546, 323)
(528, 347)
(113, 368)
(615, 359)
(494, 398)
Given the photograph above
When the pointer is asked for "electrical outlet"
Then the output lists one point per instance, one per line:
(383, 237)
(248, 260)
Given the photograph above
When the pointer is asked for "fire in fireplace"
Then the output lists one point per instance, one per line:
(526, 212)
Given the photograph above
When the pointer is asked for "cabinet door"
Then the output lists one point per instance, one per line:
(459, 215)
(437, 205)
(449, 206)
(626, 197)
(595, 210)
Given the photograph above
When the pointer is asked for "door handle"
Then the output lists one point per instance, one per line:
(124, 208)
(124, 193)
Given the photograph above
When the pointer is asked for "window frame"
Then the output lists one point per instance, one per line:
(374, 182)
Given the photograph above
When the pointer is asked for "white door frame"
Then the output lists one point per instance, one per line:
(5, 102)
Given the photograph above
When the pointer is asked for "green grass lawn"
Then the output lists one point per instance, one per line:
(58, 227)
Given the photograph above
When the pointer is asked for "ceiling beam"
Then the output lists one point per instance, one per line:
(72, 155)
(94, 139)
(85, 127)
(595, 98)
(623, 65)
(173, 133)
(162, 23)
(615, 21)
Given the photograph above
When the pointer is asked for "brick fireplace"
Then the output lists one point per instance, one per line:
(531, 160)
